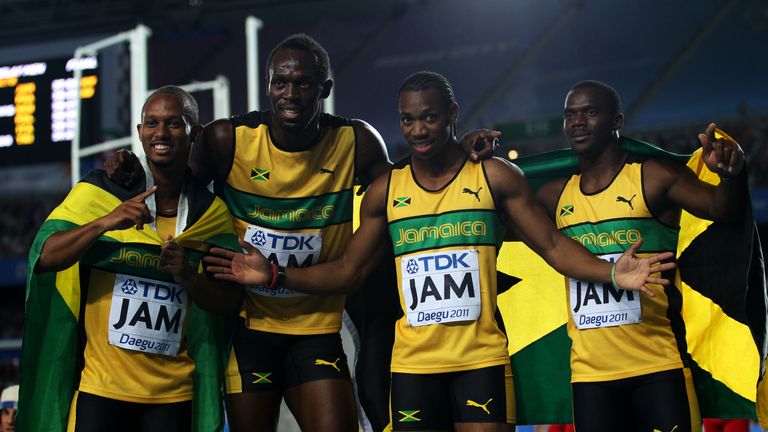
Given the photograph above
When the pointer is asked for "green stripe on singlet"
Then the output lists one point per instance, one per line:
(617, 235)
(463, 227)
(290, 213)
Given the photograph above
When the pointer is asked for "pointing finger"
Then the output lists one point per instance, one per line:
(144, 195)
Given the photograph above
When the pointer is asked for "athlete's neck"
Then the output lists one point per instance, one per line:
(598, 170)
(169, 181)
(295, 139)
(435, 172)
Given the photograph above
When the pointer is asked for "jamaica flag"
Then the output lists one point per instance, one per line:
(51, 348)
(722, 283)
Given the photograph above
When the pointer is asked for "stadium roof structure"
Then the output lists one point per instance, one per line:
(511, 61)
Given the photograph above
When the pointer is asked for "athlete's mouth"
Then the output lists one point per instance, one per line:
(291, 111)
(580, 136)
(161, 147)
(421, 143)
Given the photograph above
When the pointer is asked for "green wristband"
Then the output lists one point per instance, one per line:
(613, 276)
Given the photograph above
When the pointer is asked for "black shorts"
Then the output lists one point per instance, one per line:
(262, 361)
(97, 414)
(661, 401)
(437, 401)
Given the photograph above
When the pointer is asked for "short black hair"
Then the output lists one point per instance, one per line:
(429, 80)
(189, 107)
(304, 42)
(613, 95)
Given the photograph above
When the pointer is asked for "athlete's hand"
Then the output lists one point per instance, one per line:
(123, 168)
(634, 273)
(173, 260)
(722, 155)
(480, 144)
(248, 268)
(132, 212)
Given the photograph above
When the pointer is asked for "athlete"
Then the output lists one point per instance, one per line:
(444, 217)
(627, 365)
(127, 262)
(9, 401)
(287, 176)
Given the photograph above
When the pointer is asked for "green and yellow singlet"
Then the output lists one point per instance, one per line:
(618, 334)
(445, 244)
(296, 208)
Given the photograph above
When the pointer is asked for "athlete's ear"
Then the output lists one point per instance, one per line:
(327, 86)
(618, 121)
(195, 133)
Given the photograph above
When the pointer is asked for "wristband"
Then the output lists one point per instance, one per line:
(613, 276)
(273, 283)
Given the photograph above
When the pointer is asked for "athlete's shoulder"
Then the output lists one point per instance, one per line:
(402, 163)
(333, 121)
(100, 179)
(501, 170)
(252, 119)
(636, 158)
(654, 167)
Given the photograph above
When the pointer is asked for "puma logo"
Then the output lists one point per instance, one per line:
(327, 171)
(484, 406)
(321, 362)
(628, 201)
(671, 430)
(471, 192)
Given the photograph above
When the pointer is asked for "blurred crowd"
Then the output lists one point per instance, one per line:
(22, 218)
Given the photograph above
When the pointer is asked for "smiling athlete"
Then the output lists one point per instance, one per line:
(450, 366)
(628, 371)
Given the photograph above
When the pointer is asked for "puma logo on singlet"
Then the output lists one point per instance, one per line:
(321, 362)
(671, 430)
(484, 406)
(327, 171)
(628, 201)
(471, 192)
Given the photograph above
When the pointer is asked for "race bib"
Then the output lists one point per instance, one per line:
(287, 249)
(441, 287)
(595, 304)
(147, 315)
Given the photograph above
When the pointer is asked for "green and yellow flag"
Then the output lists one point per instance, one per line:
(52, 349)
(722, 282)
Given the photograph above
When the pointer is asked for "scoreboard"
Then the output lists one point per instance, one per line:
(37, 109)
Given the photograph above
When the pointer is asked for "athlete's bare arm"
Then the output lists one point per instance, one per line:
(211, 295)
(669, 186)
(517, 202)
(63, 249)
(371, 160)
(212, 154)
(342, 275)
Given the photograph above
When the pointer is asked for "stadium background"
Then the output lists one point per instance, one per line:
(677, 65)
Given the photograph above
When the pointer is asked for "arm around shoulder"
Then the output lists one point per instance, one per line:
(212, 154)
(372, 159)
